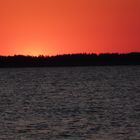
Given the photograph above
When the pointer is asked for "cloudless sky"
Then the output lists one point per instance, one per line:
(51, 27)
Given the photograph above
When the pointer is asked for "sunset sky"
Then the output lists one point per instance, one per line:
(50, 27)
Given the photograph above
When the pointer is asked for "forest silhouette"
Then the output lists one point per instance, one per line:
(82, 59)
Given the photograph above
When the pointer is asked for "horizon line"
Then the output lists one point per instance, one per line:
(43, 55)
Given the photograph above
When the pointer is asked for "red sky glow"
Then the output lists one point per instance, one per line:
(50, 27)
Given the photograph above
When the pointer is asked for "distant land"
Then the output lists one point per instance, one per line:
(81, 59)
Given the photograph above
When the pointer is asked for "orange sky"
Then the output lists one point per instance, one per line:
(52, 27)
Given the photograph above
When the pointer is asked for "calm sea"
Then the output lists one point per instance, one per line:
(74, 103)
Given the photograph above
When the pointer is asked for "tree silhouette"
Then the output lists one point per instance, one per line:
(71, 60)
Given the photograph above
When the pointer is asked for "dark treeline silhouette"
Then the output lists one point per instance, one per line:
(83, 59)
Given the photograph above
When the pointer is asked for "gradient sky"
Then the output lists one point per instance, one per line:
(52, 27)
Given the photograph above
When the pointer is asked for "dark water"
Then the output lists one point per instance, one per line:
(89, 103)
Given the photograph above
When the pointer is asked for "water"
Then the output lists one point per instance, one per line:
(82, 103)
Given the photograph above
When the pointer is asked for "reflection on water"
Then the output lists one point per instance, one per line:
(82, 103)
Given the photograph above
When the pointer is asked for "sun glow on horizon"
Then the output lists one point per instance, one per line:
(34, 49)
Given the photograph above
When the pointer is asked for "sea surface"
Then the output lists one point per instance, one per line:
(70, 103)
